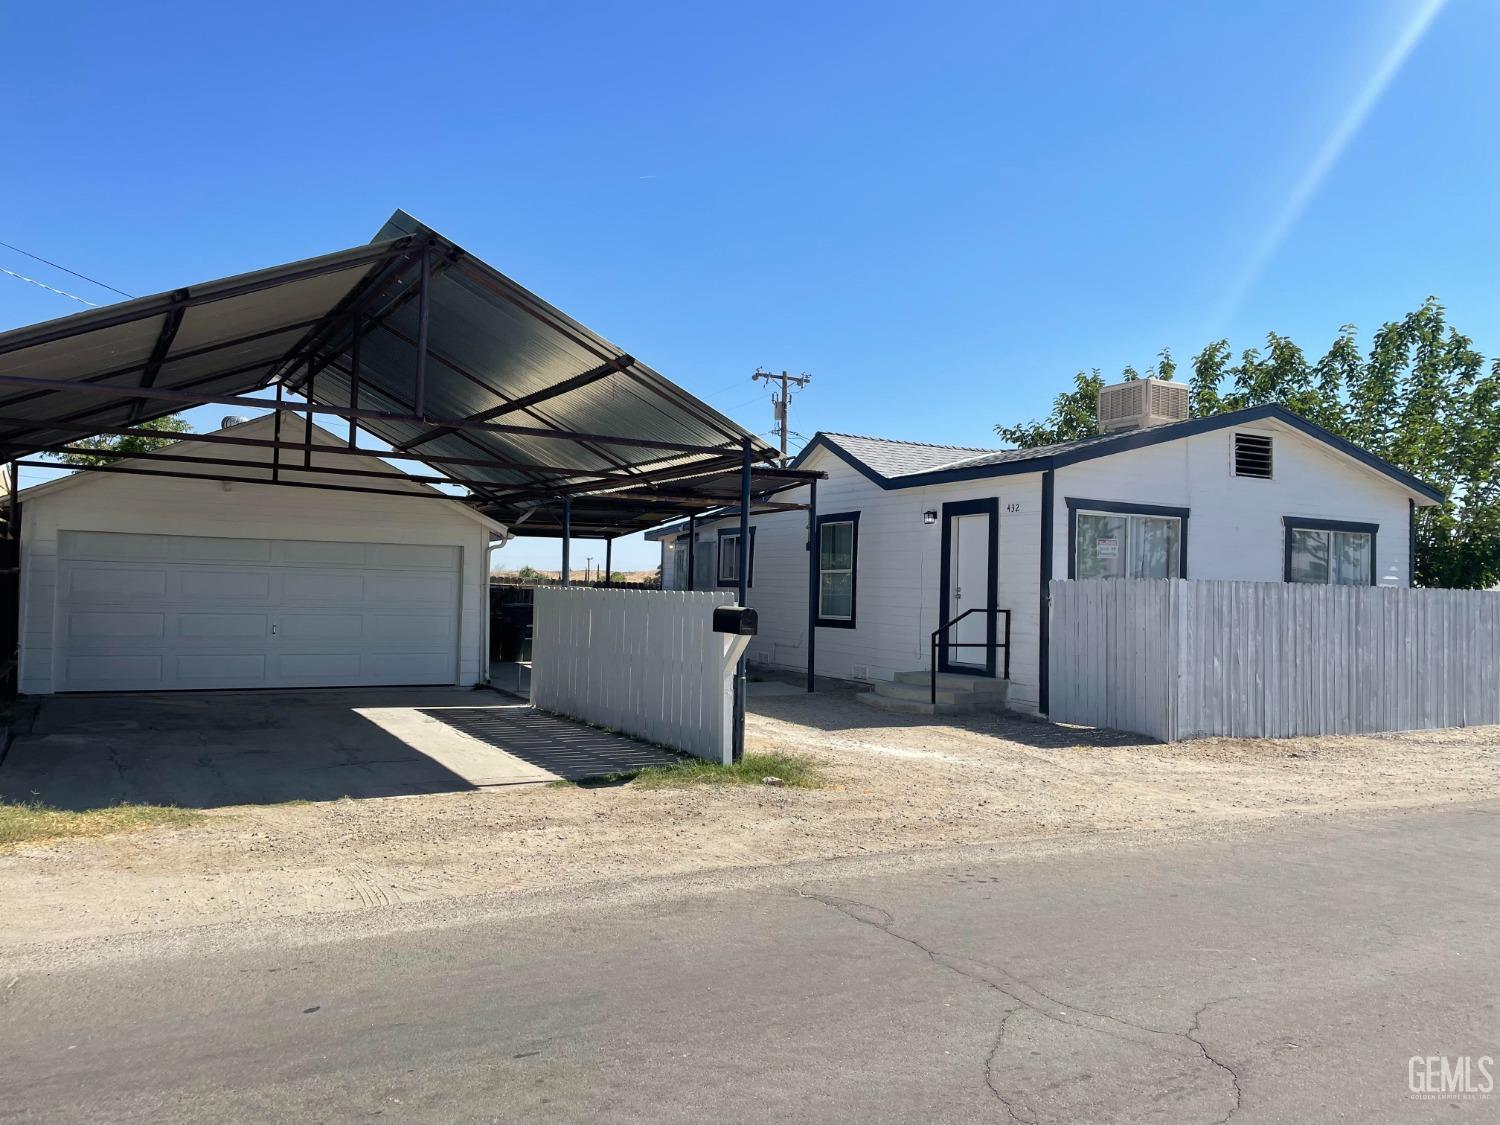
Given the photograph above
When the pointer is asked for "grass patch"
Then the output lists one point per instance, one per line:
(797, 773)
(30, 823)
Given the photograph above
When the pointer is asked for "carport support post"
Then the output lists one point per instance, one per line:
(609, 565)
(744, 597)
(813, 562)
(692, 545)
(567, 538)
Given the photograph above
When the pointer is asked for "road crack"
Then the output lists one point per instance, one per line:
(1031, 998)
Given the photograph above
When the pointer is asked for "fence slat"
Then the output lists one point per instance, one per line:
(1182, 659)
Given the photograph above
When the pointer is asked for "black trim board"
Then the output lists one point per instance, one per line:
(1124, 508)
(1297, 523)
(724, 533)
(820, 621)
(1120, 443)
(1044, 621)
(989, 506)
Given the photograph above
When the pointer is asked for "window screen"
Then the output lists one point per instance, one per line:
(837, 543)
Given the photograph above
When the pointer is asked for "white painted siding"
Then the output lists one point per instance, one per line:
(174, 506)
(1234, 525)
(1234, 532)
(898, 576)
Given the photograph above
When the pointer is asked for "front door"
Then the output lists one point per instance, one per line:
(970, 542)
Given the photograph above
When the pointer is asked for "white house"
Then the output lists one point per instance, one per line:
(909, 536)
(133, 582)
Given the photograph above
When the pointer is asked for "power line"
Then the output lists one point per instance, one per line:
(65, 269)
(50, 289)
(782, 402)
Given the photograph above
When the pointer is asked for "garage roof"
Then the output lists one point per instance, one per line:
(515, 399)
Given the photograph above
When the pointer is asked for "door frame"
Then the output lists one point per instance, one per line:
(989, 506)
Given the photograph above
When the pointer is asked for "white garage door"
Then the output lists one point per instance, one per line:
(153, 612)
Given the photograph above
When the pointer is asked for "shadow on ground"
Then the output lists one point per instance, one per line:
(570, 750)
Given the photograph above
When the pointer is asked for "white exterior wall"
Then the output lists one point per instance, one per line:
(1234, 523)
(1234, 532)
(173, 506)
(898, 575)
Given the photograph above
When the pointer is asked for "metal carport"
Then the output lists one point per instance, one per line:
(544, 424)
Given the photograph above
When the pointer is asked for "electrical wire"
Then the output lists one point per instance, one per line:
(65, 269)
(49, 288)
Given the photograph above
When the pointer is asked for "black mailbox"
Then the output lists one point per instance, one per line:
(739, 620)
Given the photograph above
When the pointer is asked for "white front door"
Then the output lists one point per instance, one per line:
(968, 587)
(172, 612)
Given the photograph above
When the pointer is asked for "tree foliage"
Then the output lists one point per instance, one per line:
(113, 448)
(1421, 397)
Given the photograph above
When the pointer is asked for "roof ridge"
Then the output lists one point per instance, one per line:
(906, 441)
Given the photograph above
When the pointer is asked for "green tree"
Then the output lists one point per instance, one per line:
(1421, 397)
(113, 448)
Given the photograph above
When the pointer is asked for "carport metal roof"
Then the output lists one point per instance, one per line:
(419, 343)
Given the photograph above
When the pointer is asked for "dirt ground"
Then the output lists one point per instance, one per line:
(893, 784)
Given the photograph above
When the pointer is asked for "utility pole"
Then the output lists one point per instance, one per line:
(782, 401)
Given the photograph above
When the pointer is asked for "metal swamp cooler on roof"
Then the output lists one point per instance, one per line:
(1139, 403)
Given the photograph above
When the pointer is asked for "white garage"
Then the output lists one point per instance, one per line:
(169, 583)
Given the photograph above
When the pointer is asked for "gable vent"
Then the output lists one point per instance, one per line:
(1252, 456)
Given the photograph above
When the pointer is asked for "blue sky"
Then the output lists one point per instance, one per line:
(941, 211)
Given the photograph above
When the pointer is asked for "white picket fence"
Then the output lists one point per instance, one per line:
(1191, 659)
(646, 663)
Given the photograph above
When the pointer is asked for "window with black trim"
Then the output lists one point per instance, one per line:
(1110, 539)
(838, 559)
(1329, 552)
(1252, 456)
(729, 557)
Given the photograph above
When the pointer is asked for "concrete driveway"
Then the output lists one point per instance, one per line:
(206, 749)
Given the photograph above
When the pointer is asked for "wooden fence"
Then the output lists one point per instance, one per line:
(643, 662)
(1191, 659)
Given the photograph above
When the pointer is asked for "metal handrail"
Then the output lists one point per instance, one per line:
(946, 625)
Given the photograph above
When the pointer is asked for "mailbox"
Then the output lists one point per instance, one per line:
(739, 620)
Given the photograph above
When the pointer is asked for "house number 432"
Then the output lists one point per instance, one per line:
(1013, 507)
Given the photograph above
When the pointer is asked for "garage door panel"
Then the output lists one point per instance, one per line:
(113, 625)
(341, 666)
(222, 626)
(104, 583)
(302, 626)
(225, 585)
(408, 629)
(121, 671)
(221, 669)
(204, 549)
(322, 587)
(212, 616)
(297, 553)
(413, 589)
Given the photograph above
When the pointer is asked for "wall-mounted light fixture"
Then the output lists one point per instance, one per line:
(929, 517)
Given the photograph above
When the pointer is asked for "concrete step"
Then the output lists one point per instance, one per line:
(955, 681)
(921, 693)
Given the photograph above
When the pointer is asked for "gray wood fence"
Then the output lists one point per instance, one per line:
(1191, 659)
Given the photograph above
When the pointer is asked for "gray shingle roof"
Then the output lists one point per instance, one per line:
(892, 458)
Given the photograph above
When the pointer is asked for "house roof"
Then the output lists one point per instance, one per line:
(522, 403)
(903, 464)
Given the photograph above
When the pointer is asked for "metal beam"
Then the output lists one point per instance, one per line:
(567, 541)
(591, 376)
(166, 395)
(159, 352)
(126, 471)
(740, 680)
(814, 568)
(240, 463)
(88, 429)
(143, 308)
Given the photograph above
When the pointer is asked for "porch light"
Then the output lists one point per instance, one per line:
(929, 517)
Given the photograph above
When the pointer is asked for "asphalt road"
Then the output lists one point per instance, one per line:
(1286, 975)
